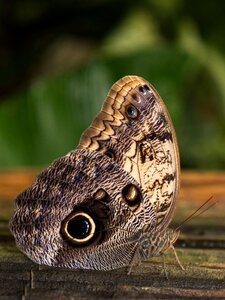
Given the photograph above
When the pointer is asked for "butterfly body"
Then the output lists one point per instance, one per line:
(156, 243)
(113, 196)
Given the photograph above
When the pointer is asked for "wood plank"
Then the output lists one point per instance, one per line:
(201, 248)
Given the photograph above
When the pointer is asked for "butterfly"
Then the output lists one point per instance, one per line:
(108, 203)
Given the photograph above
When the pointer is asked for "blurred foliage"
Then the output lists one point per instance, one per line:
(30, 28)
(177, 45)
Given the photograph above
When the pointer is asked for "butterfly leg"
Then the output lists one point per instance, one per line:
(136, 260)
(164, 271)
(131, 267)
(177, 258)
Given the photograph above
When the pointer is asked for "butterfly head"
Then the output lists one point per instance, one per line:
(166, 239)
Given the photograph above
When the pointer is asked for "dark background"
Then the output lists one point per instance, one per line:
(59, 58)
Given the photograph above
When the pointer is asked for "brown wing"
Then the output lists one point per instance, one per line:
(135, 130)
(67, 188)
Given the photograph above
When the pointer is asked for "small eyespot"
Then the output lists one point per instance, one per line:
(110, 154)
(100, 195)
(132, 195)
(99, 205)
(131, 111)
(79, 228)
(144, 89)
(141, 89)
(135, 97)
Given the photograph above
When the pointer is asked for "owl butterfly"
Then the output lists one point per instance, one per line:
(108, 203)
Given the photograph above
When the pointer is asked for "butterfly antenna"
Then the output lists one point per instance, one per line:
(198, 211)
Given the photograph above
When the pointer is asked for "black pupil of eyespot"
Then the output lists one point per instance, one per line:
(146, 87)
(141, 89)
(79, 227)
(131, 111)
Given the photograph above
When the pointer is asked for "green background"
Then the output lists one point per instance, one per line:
(58, 60)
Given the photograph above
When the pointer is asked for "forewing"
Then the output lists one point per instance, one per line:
(145, 146)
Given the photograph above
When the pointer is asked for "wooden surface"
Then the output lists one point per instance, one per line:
(201, 249)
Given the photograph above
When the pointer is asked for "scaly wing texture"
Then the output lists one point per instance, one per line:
(145, 146)
(67, 184)
(129, 153)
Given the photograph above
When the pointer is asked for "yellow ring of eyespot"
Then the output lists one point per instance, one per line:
(70, 237)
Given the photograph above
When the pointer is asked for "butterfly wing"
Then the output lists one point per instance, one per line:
(82, 211)
(135, 130)
(75, 214)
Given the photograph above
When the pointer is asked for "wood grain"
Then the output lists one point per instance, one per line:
(201, 249)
